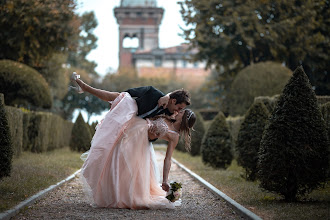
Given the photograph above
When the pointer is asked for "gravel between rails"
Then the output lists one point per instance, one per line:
(68, 202)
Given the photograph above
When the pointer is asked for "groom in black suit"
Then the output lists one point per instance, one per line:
(152, 102)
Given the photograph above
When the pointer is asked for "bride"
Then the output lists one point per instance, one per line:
(120, 168)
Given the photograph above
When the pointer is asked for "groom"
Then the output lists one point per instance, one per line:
(150, 101)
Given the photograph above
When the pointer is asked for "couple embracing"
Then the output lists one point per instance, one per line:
(121, 168)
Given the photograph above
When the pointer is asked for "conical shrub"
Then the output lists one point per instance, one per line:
(216, 144)
(197, 135)
(249, 138)
(6, 152)
(80, 136)
(293, 156)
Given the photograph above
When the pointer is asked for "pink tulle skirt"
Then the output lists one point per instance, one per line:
(120, 168)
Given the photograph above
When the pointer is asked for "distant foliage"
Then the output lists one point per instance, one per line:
(216, 144)
(80, 136)
(293, 155)
(6, 152)
(261, 79)
(249, 138)
(197, 135)
(23, 86)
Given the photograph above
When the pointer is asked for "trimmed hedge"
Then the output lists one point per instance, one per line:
(234, 124)
(23, 85)
(249, 138)
(293, 156)
(323, 99)
(46, 132)
(325, 110)
(197, 135)
(6, 152)
(80, 136)
(37, 131)
(15, 122)
(269, 102)
(216, 144)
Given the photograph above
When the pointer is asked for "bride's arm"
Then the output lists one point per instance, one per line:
(173, 141)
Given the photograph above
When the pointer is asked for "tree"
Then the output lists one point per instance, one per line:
(32, 31)
(81, 136)
(261, 79)
(86, 42)
(235, 34)
(293, 155)
(216, 144)
(249, 138)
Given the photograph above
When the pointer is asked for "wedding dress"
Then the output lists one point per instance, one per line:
(121, 168)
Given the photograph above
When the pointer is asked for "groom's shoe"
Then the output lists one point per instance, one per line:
(73, 79)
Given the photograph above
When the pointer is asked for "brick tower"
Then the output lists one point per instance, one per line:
(138, 19)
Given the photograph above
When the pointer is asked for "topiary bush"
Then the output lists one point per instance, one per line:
(23, 86)
(249, 137)
(293, 155)
(6, 152)
(261, 79)
(80, 136)
(216, 144)
(197, 135)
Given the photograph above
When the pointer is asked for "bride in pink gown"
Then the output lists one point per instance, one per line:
(120, 168)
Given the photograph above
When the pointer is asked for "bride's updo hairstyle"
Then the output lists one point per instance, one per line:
(188, 121)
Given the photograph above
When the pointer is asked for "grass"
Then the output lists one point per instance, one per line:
(315, 205)
(34, 172)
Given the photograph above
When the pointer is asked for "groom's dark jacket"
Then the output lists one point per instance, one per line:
(147, 98)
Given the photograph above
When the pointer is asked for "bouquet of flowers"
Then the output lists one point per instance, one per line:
(175, 192)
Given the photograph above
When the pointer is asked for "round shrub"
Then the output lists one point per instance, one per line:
(249, 137)
(261, 79)
(23, 86)
(293, 155)
(216, 144)
(80, 136)
(197, 135)
(6, 152)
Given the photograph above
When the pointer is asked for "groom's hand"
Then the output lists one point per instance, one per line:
(163, 101)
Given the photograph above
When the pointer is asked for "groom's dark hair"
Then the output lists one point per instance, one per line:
(181, 96)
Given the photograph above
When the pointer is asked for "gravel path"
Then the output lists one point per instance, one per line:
(67, 202)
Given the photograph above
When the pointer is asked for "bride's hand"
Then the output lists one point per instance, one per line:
(165, 187)
(163, 101)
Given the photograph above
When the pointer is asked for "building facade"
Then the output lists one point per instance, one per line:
(140, 20)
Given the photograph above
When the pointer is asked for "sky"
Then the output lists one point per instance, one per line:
(106, 53)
